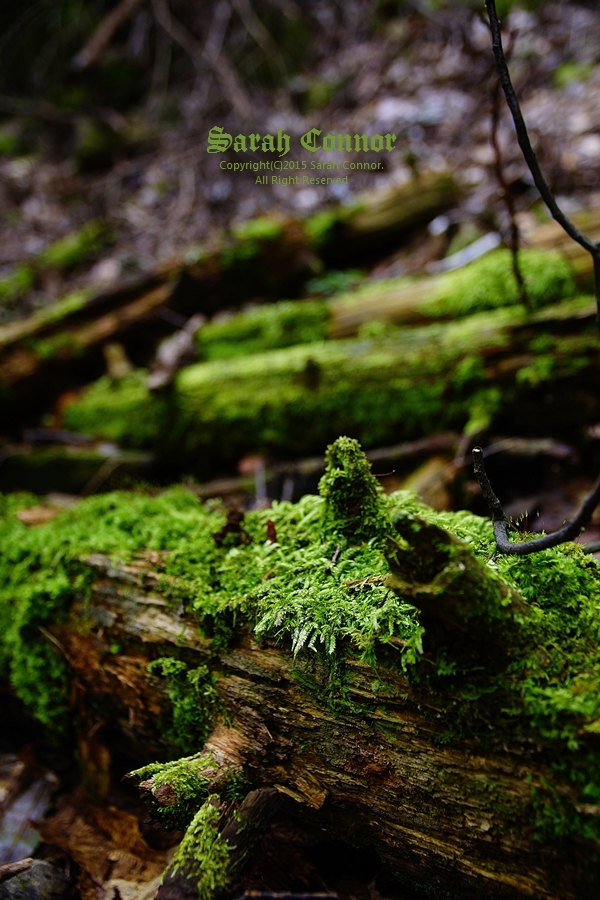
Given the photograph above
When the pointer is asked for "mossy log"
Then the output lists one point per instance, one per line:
(374, 662)
(264, 258)
(400, 385)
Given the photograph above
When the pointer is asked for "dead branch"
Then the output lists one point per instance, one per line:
(93, 49)
(514, 236)
(528, 152)
(570, 530)
(209, 53)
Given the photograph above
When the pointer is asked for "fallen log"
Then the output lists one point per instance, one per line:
(398, 386)
(285, 652)
(265, 258)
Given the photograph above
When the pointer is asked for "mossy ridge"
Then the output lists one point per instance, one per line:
(406, 383)
(484, 284)
(489, 283)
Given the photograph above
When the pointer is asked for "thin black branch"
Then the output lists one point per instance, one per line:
(501, 524)
(570, 529)
(504, 188)
(587, 243)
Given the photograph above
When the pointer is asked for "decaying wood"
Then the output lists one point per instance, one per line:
(379, 773)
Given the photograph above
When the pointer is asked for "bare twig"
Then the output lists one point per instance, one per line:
(8, 870)
(93, 49)
(501, 524)
(207, 53)
(514, 237)
(587, 243)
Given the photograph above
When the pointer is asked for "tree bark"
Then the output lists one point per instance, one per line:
(378, 773)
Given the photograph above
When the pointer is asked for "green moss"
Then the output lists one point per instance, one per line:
(264, 328)
(10, 139)
(489, 282)
(41, 574)
(76, 248)
(352, 495)
(392, 387)
(17, 284)
(324, 585)
(188, 787)
(203, 855)
(321, 227)
(335, 281)
(62, 345)
(248, 238)
(125, 398)
(571, 71)
(193, 701)
(260, 229)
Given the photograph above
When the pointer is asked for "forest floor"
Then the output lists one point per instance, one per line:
(429, 79)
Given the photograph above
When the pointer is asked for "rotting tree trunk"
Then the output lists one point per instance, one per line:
(472, 765)
(381, 775)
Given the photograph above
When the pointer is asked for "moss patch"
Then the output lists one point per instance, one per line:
(76, 248)
(193, 699)
(264, 328)
(203, 855)
(489, 282)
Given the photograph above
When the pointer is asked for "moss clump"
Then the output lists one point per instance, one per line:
(351, 493)
(321, 227)
(264, 328)
(76, 248)
(182, 783)
(324, 585)
(203, 855)
(41, 573)
(193, 701)
(125, 397)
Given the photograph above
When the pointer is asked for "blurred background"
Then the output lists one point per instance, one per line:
(118, 232)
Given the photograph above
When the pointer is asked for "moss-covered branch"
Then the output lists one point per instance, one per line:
(396, 386)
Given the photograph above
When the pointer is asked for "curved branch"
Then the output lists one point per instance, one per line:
(591, 246)
(570, 529)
